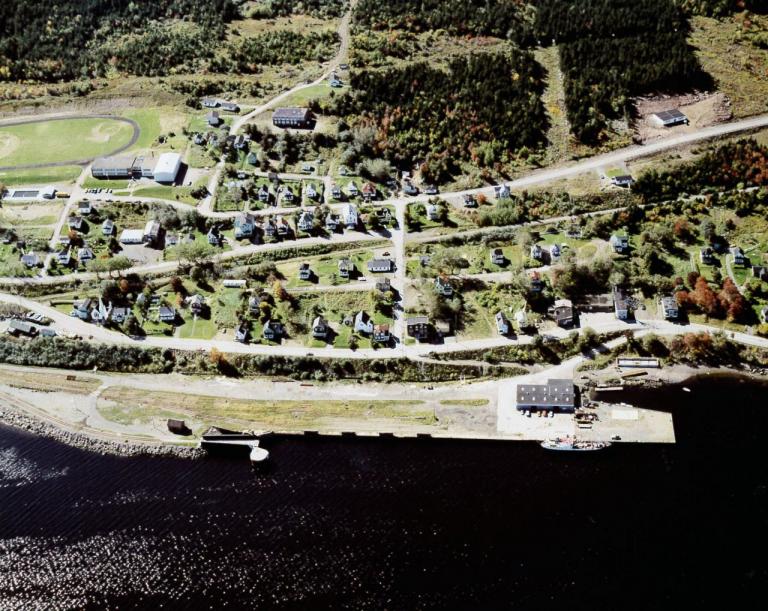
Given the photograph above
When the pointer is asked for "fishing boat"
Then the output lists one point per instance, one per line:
(571, 444)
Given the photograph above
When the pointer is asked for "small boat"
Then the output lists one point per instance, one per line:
(570, 444)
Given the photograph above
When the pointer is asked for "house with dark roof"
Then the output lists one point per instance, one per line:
(623, 180)
(75, 222)
(306, 221)
(108, 227)
(273, 330)
(241, 332)
(418, 327)
(85, 254)
(760, 272)
(381, 334)
(619, 243)
(319, 328)
(443, 286)
(167, 314)
(497, 257)
(536, 252)
(19, 327)
(213, 119)
(669, 118)
(555, 395)
(245, 225)
(383, 285)
(739, 258)
(305, 272)
(707, 255)
(562, 312)
(296, 118)
(378, 266)
(346, 267)
(332, 222)
(535, 282)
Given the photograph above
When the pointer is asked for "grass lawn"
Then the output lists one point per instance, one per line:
(99, 183)
(182, 194)
(197, 328)
(281, 415)
(155, 122)
(61, 140)
(42, 176)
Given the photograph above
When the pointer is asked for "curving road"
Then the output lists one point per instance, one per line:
(56, 164)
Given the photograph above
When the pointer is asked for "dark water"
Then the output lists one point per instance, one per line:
(375, 524)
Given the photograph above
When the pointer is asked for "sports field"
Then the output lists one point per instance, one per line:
(56, 141)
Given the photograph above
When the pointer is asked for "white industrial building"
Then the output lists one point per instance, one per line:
(168, 166)
(132, 236)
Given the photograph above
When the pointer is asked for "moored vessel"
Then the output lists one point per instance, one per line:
(571, 444)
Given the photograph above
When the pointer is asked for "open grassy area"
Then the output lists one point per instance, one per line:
(730, 49)
(42, 176)
(49, 381)
(61, 140)
(133, 404)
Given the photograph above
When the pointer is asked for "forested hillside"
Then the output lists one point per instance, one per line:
(501, 18)
(719, 8)
(485, 106)
(284, 8)
(65, 39)
(613, 49)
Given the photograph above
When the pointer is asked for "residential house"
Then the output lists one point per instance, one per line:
(254, 305)
(172, 239)
(503, 192)
(764, 314)
(319, 328)
(760, 272)
(120, 314)
(332, 222)
(363, 323)
(469, 201)
(152, 231)
(283, 228)
(108, 227)
(334, 82)
(536, 252)
(64, 257)
(210, 103)
(270, 228)
(335, 191)
(252, 158)
(418, 327)
(623, 180)
(369, 191)
(502, 324)
(554, 252)
(241, 332)
(287, 195)
(214, 236)
(101, 313)
(562, 312)
(199, 139)
(273, 330)
(75, 222)
(229, 106)
(555, 395)
(349, 216)
(196, 304)
(213, 119)
(310, 192)
(383, 285)
(167, 314)
(306, 221)
(81, 308)
(263, 193)
(85, 254)
(707, 255)
(739, 258)
(84, 208)
(622, 307)
(443, 286)
(535, 282)
(305, 272)
(619, 243)
(497, 257)
(346, 267)
(433, 213)
(521, 319)
(410, 189)
(379, 266)
(384, 215)
(668, 307)
(132, 236)
(240, 142)
(381, 334)
(30, 259)
(430, 190)
(352, 190)
(245, 225)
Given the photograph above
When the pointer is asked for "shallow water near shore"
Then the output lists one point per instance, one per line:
(400, 524)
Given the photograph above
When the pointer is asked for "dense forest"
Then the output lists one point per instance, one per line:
(285, 8)
(611, 50)
(278, 47)
(719, 8)
(502, 18)
(485, 105)
(734, 165)
(66, 39)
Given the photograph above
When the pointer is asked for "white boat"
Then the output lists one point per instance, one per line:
(571, 444)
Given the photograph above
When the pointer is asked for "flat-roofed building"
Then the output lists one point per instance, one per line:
(669, 118)
(556, 395)
(167, 167)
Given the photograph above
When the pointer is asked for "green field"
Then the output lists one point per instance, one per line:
(63, 140)
(42, 176)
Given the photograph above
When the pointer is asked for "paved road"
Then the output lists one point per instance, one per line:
(120, 149)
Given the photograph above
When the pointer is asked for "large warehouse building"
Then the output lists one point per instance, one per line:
(163, 169)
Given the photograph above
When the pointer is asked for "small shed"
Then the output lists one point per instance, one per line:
(178, 427)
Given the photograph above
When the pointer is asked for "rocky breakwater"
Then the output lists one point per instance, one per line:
(94, 444)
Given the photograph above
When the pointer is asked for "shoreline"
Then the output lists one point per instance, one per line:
(129, 448)
(40, 425)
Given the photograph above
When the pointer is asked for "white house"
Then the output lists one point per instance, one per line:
(306, 219)
(132, 236)
(363, 323)
(502, 324)
(349, 216)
